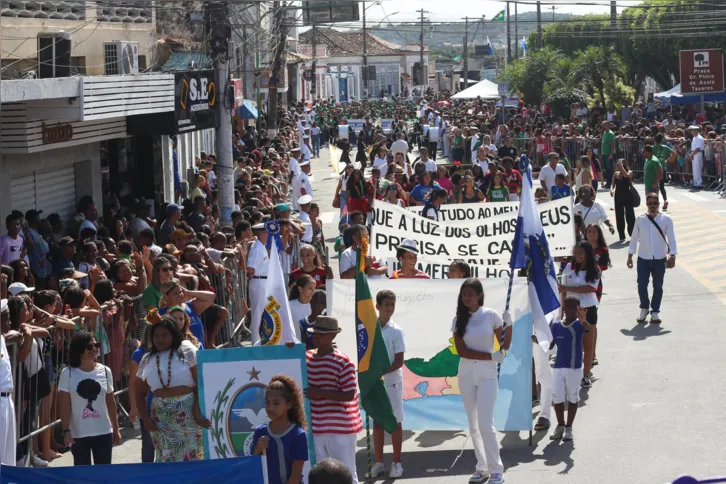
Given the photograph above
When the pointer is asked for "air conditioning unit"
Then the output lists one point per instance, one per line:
(120, 57)
(54, 54)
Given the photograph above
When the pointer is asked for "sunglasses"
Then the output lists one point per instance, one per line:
(165, 269)
(91, 347)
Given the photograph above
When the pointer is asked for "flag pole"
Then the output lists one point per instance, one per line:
(368, 446)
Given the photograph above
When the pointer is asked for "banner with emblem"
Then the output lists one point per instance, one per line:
(232, 385)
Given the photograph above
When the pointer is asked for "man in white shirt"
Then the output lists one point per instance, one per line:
(696, 155)
(400, 145)
(305, 150)
(294, 164)
(349, 256)
(429, 164)
(258, 262)
(581, 111)
(654, 238)
(7, 409)
(474, 141)
(482, 158)
(301, 184)
(548, 172)
(304, 203)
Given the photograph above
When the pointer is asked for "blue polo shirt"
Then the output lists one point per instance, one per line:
(282, 450)
(568, 339)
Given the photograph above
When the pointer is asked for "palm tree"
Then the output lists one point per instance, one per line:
(597, 66)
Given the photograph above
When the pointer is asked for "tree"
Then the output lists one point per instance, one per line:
(529, 74)
(597, 66)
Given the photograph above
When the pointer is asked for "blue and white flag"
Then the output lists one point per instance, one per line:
(524, 46)
(275, 327)
(490, 49)
(531, 251)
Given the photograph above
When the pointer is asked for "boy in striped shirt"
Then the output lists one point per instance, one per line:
(407, 255)
(332, 391)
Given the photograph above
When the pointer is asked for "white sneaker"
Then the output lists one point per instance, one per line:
(643, 315)
(396, 470)
(496, 478)
(654, 317)
(478, 477)
(557, 432)
(38, 462)
(377, 469)
(568, 437)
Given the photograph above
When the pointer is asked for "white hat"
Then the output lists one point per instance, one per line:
(292, 150)
(3, 305)
(259, 226)
(409, 245)
(306, 137)
(304, 163)
(305, 199)
(694, 127)
(18, 288)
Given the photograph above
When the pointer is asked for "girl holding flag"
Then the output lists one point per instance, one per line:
(477, 331)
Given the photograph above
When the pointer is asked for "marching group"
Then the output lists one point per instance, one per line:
(68, 287)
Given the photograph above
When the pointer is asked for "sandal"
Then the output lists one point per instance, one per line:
(594, 362)
(542, 424)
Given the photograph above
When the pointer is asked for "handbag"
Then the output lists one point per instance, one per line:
(634, 196)
(336, 202)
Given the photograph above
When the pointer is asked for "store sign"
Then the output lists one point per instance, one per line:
(325, 11)
(196, 100)
(702, 71)
(57, 133)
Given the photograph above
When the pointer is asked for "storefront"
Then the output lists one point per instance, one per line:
(193, 122)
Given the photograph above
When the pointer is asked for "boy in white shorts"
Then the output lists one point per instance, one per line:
(567, 375)
(394, 338)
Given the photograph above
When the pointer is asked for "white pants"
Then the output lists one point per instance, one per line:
(7, 431)
(566, 385)
(697, 170)
(337, 446)
(395, 395)
(257, 305)
(543, 372)
(479, 389)
(447, 146)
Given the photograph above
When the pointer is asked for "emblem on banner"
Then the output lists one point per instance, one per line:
(271, 325)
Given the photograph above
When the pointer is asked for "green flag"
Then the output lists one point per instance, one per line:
(499, 17)
(373, 361)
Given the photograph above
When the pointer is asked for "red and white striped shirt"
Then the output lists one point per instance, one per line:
(398, 274)
(334, 372)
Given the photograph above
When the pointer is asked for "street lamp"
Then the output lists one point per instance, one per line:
(365, 45)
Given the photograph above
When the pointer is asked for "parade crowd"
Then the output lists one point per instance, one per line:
(71, 289)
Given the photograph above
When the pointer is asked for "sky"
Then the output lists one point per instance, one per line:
(455, 10)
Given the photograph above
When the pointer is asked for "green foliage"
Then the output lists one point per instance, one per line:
(529, 74)
(561, 100)
(618, 94)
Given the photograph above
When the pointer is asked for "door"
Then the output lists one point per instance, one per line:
(51, 191)
(343, 89)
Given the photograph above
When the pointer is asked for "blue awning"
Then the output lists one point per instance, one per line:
(247, 110)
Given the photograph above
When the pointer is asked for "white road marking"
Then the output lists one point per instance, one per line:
(693, 196)
(327, 217)
(719, 211)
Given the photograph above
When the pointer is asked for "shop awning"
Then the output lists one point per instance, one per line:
(406, 77)
(248, 110)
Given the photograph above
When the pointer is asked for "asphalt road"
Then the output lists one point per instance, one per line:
(654, 411)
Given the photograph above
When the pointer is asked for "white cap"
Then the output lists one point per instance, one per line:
(304, 163)
(259, 226)
(18, 288)
(305, 199)
(693, 126)
(3, 305)
(409, 245)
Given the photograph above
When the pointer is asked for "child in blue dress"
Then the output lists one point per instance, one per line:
(283, 439)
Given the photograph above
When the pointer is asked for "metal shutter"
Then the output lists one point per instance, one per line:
(22, 193)
(55, 191)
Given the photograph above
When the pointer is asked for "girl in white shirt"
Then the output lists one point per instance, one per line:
(475, 328)
(87, 404)
(169, 370)
(581, 279)
(300, 295)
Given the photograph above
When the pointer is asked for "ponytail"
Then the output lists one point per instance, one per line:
(462, 312)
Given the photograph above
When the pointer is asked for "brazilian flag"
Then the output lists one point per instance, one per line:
(499, 17)
(373, 361)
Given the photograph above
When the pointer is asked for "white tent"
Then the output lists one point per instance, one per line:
(485, 89)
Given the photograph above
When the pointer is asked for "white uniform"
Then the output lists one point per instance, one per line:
(698, 142)
(259, 260)
(543, 372)
(7, 409)
(294, 166)
(300, 181)
(447, 141)
(307, 236)
(393, 336)
(305, 152)
(474, 141)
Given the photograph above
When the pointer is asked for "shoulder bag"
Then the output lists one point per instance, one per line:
(671, 262)
(635, 196)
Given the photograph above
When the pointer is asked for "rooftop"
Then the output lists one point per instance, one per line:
(349, 43)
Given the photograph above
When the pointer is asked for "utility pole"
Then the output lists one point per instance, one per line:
(614, 24)
(423, 75)
(220, 29)
(245, 54)
(466, 53)
(314, 79)
(553, 13)
(509, 37)
(539, 24)
(279, 31)
(516, 32)
(256, 75)
(366, 80)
